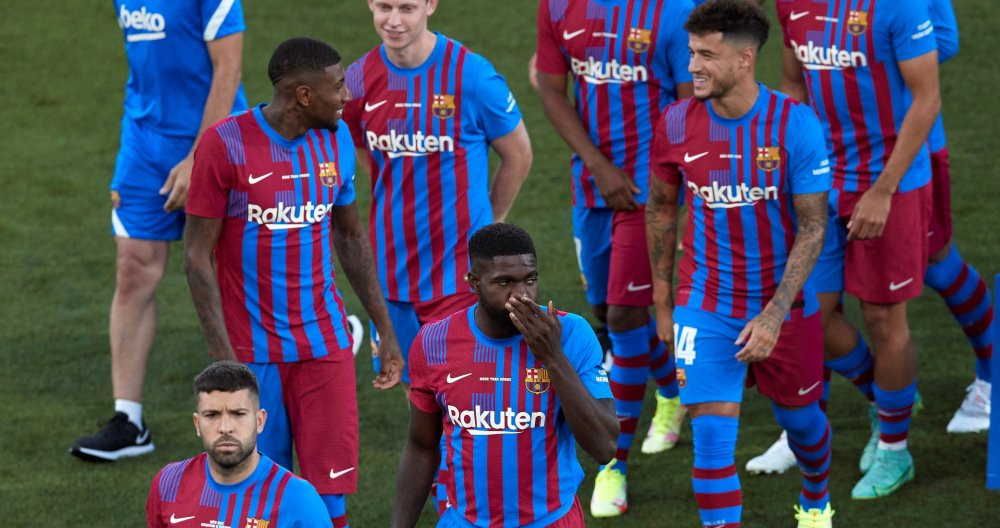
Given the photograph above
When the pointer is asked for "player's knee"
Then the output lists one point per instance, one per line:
(886, 323)
(625, 318)
(139, 270)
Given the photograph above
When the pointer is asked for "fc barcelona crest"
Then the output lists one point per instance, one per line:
(257, 523)
(857, 22)
(328, 174)
(536, 380)
(682, 378)
(639, 39)
(443, 106)
(768, 158)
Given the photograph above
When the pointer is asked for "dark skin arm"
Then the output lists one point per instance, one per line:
(763, 329)
(200, 236)
(593, 421)
(792, 81)
(417, 465)
(355, 254)
(616, 187)
(661, 238)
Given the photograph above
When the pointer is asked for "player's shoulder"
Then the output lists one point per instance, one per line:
(675, 117)
(573, 323)
(473, 63)
(356, 72)
(168, 480)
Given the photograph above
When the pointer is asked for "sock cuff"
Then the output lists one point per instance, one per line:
(897, 399)
(852, 359)
(631, 342)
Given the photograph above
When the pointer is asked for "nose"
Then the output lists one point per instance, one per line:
(345, 94)
(693, 65)
(394, 18)
(226, 424)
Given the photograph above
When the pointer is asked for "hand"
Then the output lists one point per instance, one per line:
(616, 187)
(762, 332)
(665, 325)
(177, 184)
(391, 365)
(870, 214)
(541, 330)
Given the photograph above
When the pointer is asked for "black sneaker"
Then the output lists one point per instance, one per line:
(117, 438)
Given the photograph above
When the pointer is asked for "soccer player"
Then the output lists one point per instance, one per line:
(958, 283)
(184, 62)
(754, 165)
(231, 483)
(425, 113)
(272, 199)
(512, 386)
(869, 69)
(627, 61)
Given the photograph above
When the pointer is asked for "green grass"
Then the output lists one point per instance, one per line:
(63, 73)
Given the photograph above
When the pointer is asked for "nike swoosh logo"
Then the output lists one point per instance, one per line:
(893, 286)
(688, 158)
(456, 378)
(633, 288)
(570, 36)
(337, 474)
(174, 519)
(253, 180)
(795, 16)
(369, 107)
(142, 437)
(803, 392)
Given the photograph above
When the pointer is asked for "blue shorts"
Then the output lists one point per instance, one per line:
(407, 318)
(144, 162)
(592, 238)
(708, 371)
(828, 274)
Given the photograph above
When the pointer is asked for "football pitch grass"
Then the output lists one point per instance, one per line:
(63, 74)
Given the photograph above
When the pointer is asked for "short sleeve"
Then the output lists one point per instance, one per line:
(584, 352)
(211, 177)
(302, 507)
(809, 169)
(662, 167)
(421, 395)
(911, 30)
(352, 110)
(678, 55)
(549, 58)
(945, 28)
(220, 18)
(153, 517)
(346, 157)
(496, 108)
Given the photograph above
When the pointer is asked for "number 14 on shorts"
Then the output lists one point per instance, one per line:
(684, 343)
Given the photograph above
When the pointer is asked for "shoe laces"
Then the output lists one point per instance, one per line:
(666, 410)
(609, 482)
(977, 397)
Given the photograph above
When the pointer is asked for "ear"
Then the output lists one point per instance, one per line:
(303, 94)
(261, 420)
(473, 281)
(197, 426)
(748, 57)
(431, 7)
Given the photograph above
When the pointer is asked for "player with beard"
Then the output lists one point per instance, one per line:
(512, 386)
(754, 165)
(231, 483)
(272, 201)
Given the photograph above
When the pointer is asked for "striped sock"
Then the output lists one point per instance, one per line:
(825, 397)
(336, 506)
(858, 366)
(716, 484)
(809, 436)
(628, 384)
(894, 408)
(661, 364)
(968, 299)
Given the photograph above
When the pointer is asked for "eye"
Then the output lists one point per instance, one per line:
(531, 281)
(502, 282)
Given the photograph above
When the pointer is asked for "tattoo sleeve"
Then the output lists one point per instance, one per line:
(661, 229)
(810, 209)
(350, 241)
(200, 238)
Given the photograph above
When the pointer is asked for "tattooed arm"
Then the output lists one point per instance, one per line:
(200, 236)
(763, 330)
(661, 239)
(350, 241)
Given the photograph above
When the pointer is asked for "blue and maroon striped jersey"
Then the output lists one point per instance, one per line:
(427, 132)
(184, 494)
(739, 177)
(626, 58)
(849, 51)
(275, 255)
(510, 453)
